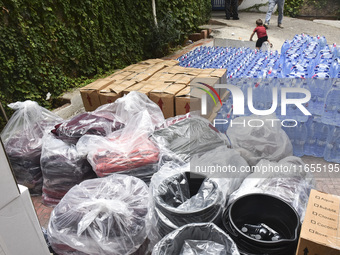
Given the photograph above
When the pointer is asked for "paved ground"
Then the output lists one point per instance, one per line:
(237, 30)
(242, 29)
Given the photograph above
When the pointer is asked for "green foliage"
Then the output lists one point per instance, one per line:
(292, 7)
(318, 4)
(54, 45)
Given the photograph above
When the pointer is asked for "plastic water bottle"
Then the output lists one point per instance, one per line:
(321, 137)
(332, 150)
(293, 111)
(319, 86)
(285, 47)
(300, 137)
(318, 133)
(259, 98)
(310, 145)
(335, 68)
(331, 113)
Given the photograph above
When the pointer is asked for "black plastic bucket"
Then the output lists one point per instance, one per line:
(269, 210)
(169, 218)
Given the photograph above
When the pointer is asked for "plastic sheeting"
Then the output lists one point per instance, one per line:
(197, 238)
(224, 165)
(193, 135)
(128, 150)
(193, 247)
(133, 104)
(92, 123)
(22, 137)
(137, 155)
(62, 167)
(183, 196)
(292, 186)
(266, 141)
(105, 216)
(173, 120)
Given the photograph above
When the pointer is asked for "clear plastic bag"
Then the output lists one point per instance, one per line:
(22, 137)
(196, 238)
(194, 135)
(267, 141)
(292, 186)
(194, 247)
(105, 216)
(183, 195)
(128, 151)
(222, 164)
(62, 167)
(131, 105)
(173, 120)
(184, 198)
(92, 123)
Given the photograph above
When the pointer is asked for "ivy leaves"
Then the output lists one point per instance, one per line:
(54, 45)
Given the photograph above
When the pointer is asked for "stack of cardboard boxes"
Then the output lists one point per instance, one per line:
(166, 83)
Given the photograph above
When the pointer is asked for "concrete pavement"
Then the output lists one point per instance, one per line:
(241, 29)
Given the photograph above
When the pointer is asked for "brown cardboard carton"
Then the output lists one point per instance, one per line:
(149, 86)
(120, 75)
(134, 87)
(221, 74)
(90, 93)
(320, 229)
(189, 100)
(193, 71)
(171, 62)
(148, 72)
(182, 78)
(162, 77)
(152, 61)
(164, 97)
(136, 68)
(178, 70)
(114, 91)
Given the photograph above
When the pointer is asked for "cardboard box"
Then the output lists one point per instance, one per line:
(320, 233)
(149, 86)
(90, 93)
(182, 78)
(8, 186)
(164, 97)
(151, 61)
(114, 91)
(188, 100)
(134, 87)
(20, 232)
(162, 77)
(221, 74)
(121, 75)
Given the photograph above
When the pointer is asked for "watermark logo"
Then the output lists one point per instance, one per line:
(204, 97)
(239, 99)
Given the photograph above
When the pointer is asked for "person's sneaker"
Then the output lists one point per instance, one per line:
(266, 25)
(280, 25)
(236, 18)
(227, 18)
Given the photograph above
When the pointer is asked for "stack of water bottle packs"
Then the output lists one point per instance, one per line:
(305, 62)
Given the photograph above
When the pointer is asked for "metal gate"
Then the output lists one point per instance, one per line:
(218, 5)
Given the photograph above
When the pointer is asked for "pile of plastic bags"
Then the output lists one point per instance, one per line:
(22, 138)
(96, 167)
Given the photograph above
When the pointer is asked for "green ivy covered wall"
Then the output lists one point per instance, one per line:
(53, 45)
